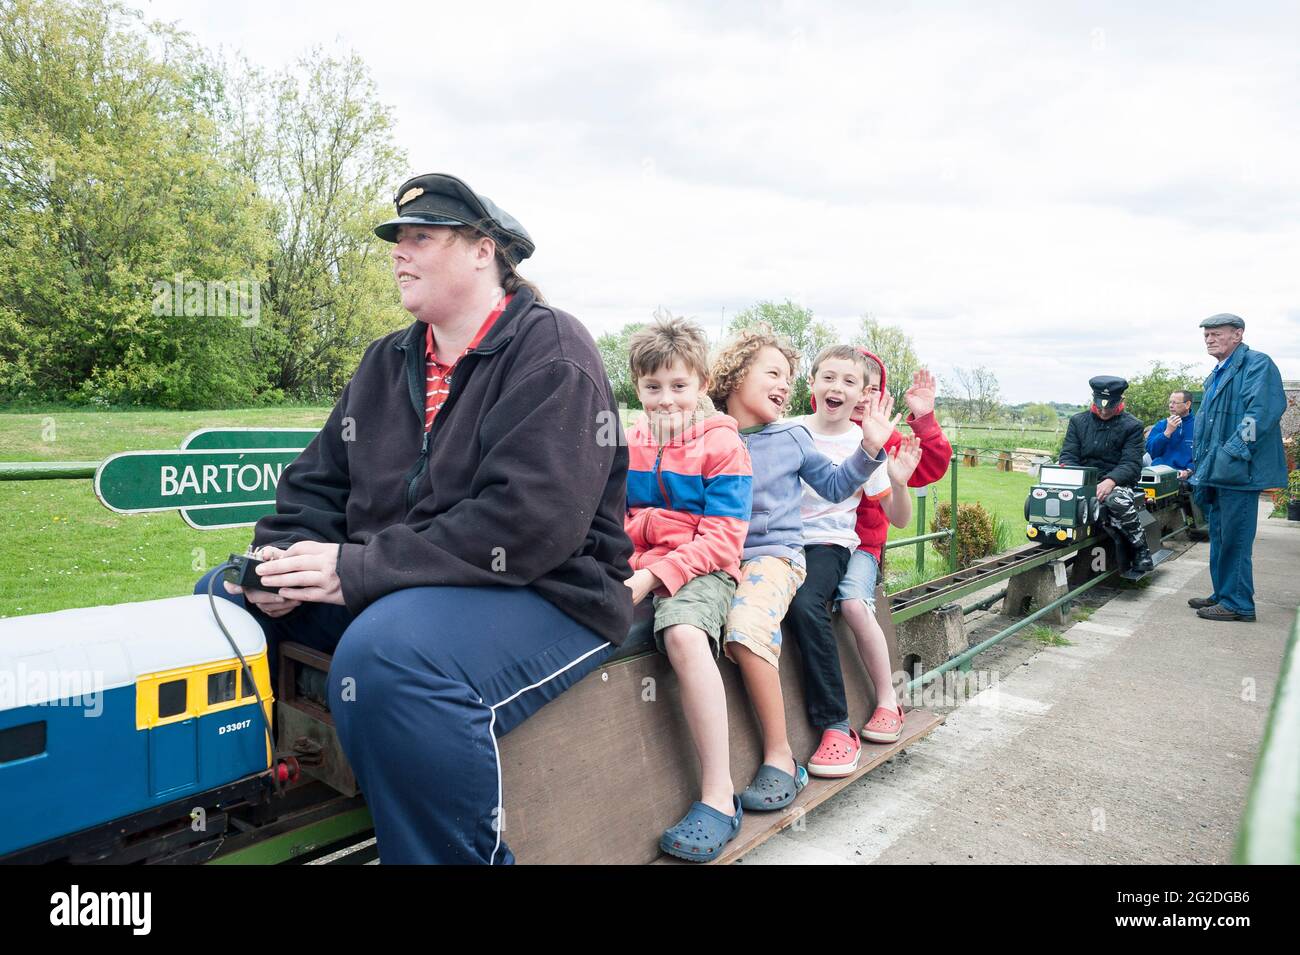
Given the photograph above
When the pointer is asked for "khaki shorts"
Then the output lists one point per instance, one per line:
(702, 602)
(767, 585)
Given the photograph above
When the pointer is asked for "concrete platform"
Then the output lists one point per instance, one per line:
(1133, 744)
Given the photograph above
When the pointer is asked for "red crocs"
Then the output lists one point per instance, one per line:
(885, 726)
(837, 755)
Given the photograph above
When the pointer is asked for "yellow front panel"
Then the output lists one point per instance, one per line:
(196, 691)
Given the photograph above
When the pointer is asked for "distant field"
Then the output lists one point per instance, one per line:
(1006, 439)
(76, 435)
(60, 548)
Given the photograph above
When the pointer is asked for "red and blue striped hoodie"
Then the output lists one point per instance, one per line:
(688, 501)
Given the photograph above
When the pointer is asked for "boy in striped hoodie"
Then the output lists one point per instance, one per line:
(688, 503)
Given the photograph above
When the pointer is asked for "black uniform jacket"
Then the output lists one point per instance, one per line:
(1113, 447)
(520, 482)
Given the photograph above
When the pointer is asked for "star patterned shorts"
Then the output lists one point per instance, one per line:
(767, 585)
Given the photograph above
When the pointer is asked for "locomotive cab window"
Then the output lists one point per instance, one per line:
(221, 687)
(1060, 477)
(22, 742)
(247, 685)
(171, 698)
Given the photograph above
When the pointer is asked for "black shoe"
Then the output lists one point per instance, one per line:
(1142, 562)
(1196, 603)
(1220, 612)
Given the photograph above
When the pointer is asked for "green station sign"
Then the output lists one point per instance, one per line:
(221, 477)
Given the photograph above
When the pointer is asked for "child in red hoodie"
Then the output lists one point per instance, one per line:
(886, 724)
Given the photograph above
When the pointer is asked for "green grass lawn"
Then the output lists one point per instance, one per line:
(60, 548)
(70, 434)
(1001, 493)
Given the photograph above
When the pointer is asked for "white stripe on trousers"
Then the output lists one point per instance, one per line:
(496, 750)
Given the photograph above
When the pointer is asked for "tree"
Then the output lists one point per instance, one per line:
(1147, 397)
(796, 324)
(319, 147)
(613, 347)
(1039, 415)
(974, 393)
(894, 347)
(111, 183)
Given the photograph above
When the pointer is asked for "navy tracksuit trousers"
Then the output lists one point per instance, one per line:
(423, 683)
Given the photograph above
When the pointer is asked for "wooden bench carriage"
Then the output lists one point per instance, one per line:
(593, 777)
(596, 775)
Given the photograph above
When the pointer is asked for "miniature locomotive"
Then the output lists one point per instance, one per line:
(1062, 507)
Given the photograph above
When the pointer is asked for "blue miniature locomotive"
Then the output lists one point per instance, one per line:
(121, 712)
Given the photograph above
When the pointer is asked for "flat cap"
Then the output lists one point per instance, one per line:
(1107, 389)
(440, 199)
(1223, 318)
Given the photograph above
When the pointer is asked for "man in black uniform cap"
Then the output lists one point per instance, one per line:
(1109, 439)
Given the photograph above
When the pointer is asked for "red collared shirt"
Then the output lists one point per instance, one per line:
(438, 376)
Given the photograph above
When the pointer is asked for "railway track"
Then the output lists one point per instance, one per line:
(914, 601)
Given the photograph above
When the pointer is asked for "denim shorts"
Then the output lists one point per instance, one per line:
(859, 581)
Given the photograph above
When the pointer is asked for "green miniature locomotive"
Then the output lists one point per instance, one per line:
(1158, 481)
(1062, 506)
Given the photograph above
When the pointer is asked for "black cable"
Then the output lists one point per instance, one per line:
(245, 668)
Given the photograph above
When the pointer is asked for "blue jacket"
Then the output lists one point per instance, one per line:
(1175, 450)
(1239, 432)
(782, 453)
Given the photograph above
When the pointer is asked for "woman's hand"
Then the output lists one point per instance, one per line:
(305, 573)
(273, 605)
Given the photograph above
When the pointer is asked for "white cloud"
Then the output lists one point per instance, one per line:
(1051, 193)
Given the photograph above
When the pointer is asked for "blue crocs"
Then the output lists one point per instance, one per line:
(702, 833)
(773, 789)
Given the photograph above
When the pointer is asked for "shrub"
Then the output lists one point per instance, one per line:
(1293, 485)
(976, 534)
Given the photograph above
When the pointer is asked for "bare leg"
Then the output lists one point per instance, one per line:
(704, 703)
(763, 683)
(873, 649)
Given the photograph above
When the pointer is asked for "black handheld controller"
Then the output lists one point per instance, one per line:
(244, 573)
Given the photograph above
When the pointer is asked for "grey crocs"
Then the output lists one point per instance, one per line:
(702, 833)
(773, 789)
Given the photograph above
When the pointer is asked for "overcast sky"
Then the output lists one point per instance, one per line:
(1054, 192)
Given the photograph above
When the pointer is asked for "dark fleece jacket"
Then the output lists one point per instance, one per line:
(520, 482)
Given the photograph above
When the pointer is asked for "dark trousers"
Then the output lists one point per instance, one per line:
(423, 683)
(809, 619)
(1232, 516)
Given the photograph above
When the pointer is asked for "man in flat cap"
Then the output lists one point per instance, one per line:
(1108, 438)
(454, 534)
(1237, 453)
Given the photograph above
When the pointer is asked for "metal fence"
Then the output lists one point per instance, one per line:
(921, 537)
(1270, 826)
